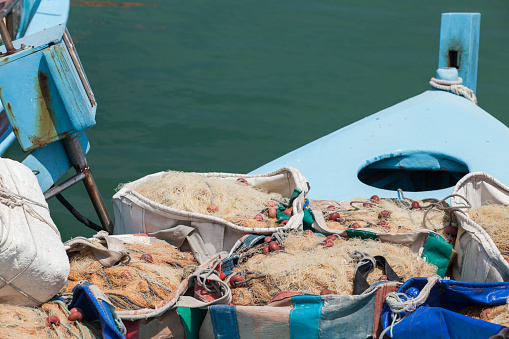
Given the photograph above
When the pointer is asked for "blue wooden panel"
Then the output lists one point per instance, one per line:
(51, 162)
(42, 92)
(459, 32)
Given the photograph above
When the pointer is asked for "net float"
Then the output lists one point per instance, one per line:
(284, 222)
(272, 213)
(266, 249)
(242, 181)
(258, 217)
(328, 243)
(325, 291)
(415, 205)
(484, 313)
(212, 208)
(76, 315)
(52, 320)
(331, 208)
(332, 237)
(334, 216)
(368, 205)
(375, 199)
(384, 214)
(287, 212)
(274, 246)
(235, 279)
(356, 225)
(267, 239)
(383, 278)
(147, 258)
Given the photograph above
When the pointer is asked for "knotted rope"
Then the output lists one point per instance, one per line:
(455, 87)
(400, 302)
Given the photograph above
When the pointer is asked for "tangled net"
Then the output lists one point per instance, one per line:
(306, 267)
(30, 323)
(494, 219)
(403, 218)
(496, 314)
(139, 283)
(236, 200)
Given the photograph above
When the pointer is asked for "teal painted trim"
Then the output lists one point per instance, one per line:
(351, 233)
(305, 317)
(459, 32)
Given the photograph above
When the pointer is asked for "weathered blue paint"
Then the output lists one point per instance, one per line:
(42, 92)
(48, 13)
(434, 131)
(460, 32)
(51, 161)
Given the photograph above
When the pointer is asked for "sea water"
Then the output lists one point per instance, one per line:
(229, 85)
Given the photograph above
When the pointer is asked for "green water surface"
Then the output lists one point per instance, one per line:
(230, 85)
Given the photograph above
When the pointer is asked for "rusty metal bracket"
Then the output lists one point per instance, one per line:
(6, 37)
(77, 158)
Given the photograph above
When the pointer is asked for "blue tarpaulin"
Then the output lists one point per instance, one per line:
(438, 317)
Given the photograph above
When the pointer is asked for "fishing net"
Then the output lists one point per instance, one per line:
(152, 273)
(402, 217)
(496, 314)
(233, 200)
(494, 219)
(305, 265)
(30, 323)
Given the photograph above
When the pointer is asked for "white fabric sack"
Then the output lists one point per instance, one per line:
(478, 258)
(136, 214)
(33, 262)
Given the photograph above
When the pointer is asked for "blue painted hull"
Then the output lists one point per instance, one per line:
(435, 122)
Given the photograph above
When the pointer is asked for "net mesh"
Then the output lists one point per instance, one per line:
(496, 314)
(236, 201)
(306, 267)
(140, 283)
(403, 218)
(494, 219)
(30, 323)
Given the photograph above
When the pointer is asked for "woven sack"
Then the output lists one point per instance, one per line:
(478, 258)
(33, 263)
(207, 235)
(292, 315)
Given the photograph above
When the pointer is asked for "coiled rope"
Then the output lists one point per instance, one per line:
(455, 87)
(400, 302)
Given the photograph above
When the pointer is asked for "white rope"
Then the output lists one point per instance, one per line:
(455, 87)
(408, 305)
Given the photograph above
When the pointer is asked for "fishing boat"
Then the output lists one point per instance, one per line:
(422, 145)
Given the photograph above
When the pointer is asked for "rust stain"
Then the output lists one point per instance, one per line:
(95, 3)
(45, 116)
